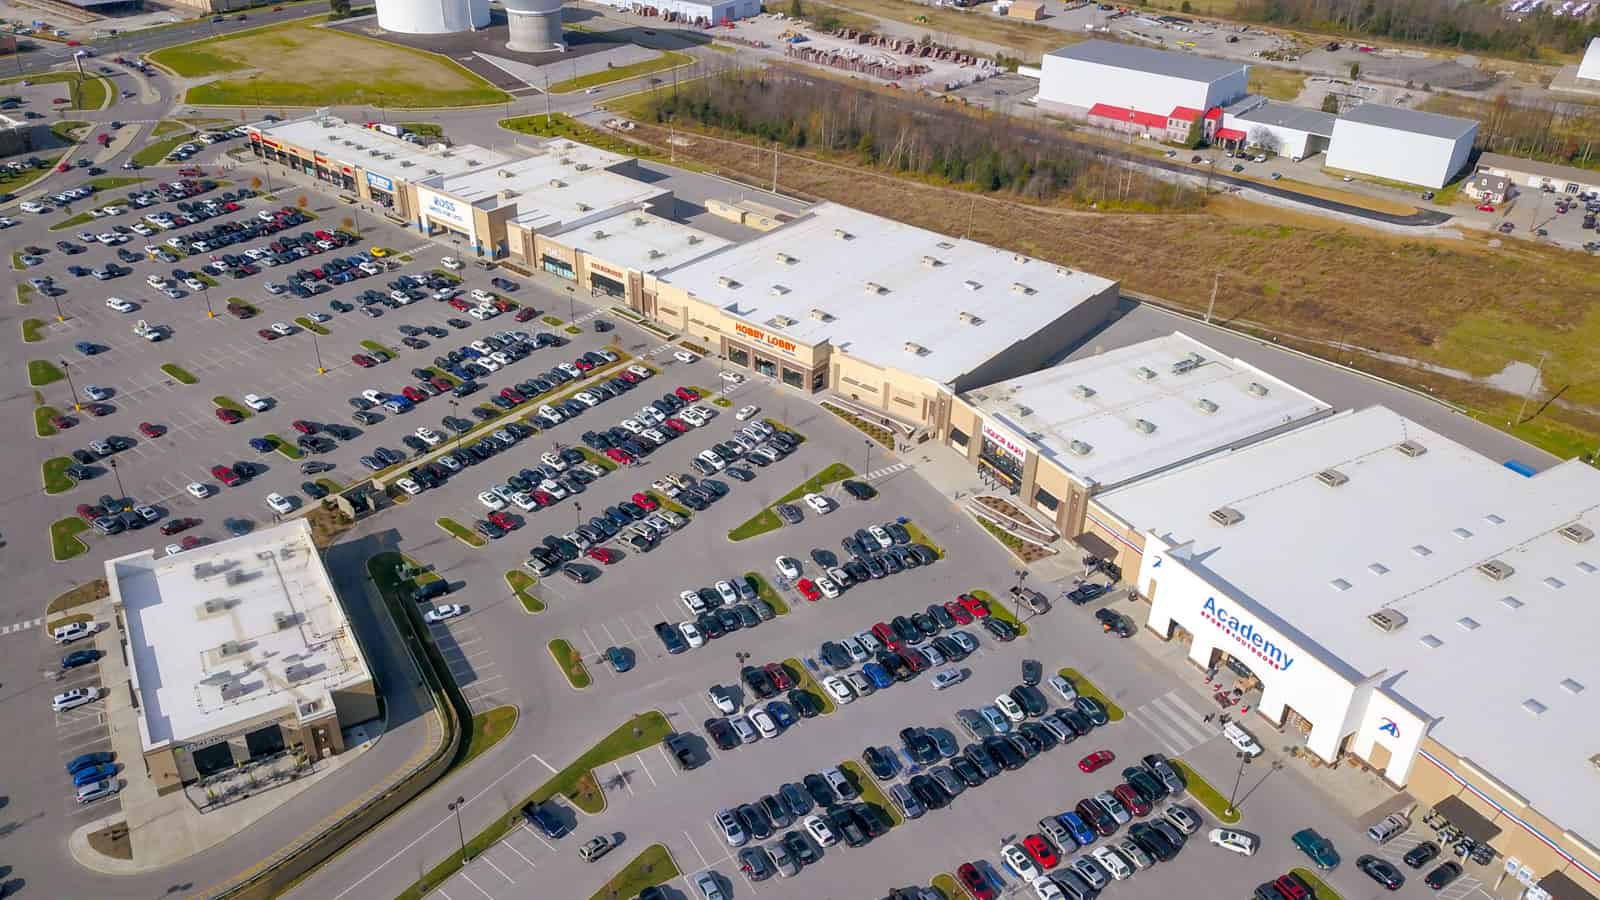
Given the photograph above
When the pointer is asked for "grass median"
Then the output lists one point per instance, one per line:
(179, 373)
(54, 473)
(805, 682)
(225, 402)
(918, 536)
(155, 152)
(947, 887)
(459, 532)
(571, 663)
(64, 542)
(1087, 688)
(287, 448)
(521, 584)
(576, 782)
(765, 592)
(999, 611)
(669, 504)
(883, 436)
(870, 792)
(56, 614)
(374, 345)
(767, 520)
(1202, 791)
(652, 867)
(311, 326)
(598, 459)
(32, 331)
(41, 421)
(669, 59)
(1319, 888)
(42, 372)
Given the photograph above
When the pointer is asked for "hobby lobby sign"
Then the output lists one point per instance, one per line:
(1246, 634)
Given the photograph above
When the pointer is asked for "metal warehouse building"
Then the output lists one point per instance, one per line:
(1383, 593)
(1405, 145)
(1073, 79)
(1299, 132)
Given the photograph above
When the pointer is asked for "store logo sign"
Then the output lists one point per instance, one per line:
(380, 182)
(1388, 726)
(1246, 634)
(440, 208)
(757, 334)
(1005, 443)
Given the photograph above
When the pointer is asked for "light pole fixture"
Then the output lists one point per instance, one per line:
(66, 370)
(205, 293)
(1244, 760)
(455, 807)
(56, 298)
(318, 351)
(120, 490)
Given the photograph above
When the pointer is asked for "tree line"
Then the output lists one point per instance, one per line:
(1471, 27)
(907, 135)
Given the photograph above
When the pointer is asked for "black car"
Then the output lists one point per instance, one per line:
(1001, 629)
(758, 682)
(881, 763)
(1381, 871)
(805, 704)
(1031, 699)
(799, 847)
(1085, 592)
(927, 790)
(313, 490)
(979, 756)
(671, 638)
(859, 489)
(821, 792)
(943, 617)
(1112, 622)
(1039, 736)
(833, 653)
(1152, 841)
(754, 821)
(925, 624)
(1442, 876)
(919, 745)
(1421, 854)
(1003, 752)
(848, 827)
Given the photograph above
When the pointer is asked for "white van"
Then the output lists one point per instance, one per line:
(66, 634)
(1241, 740)
(1385, 829)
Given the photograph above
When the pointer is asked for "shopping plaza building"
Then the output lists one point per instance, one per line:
(238, 651)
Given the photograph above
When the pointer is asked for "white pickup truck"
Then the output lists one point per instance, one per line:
(148, 331)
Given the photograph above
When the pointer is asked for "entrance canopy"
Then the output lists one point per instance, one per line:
(1473, 823)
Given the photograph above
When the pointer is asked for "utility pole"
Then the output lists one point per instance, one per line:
(547, 100)
(1213, 304)
(774, 167)
(1532, 383)
(455, 807)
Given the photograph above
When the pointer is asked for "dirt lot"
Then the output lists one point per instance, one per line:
(1462, 304)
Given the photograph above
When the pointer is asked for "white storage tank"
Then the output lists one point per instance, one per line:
(533, 26)
(432, 16)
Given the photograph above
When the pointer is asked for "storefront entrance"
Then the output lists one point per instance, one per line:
(213, 759)
(608, 287)
(558, 267)
(266, 741)
(998, 465)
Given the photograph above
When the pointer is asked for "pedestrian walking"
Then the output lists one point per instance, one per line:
(1209, 717)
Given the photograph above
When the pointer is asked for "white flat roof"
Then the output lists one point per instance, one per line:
(274, 634)
(373, 150)
(562, 185)
(1088, 415)
(1506, 668)
(644, 242)
(869, 285)
(1174, 64)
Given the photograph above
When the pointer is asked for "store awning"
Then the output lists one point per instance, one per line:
(1230, 134)
(1471, 822)
(1560, 886)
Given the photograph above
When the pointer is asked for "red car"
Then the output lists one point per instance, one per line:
(413, 394)
(1095, 760)
(99, 409)
(226, 475)
(958, 612)
(687, 395)
(89, 513)
(808, 590)
(512, 395)
(543, 498)
(645, 501)
(304, 427)
(629, 377)
(191, 541)
(439, 382)
(677, 425)
(583, 365)
(151, 430)
(1485, 207)
(602, 554)
(915, 661)
(779, 675)
(62, 421)
(228, 416)
(267, 334)
(1040, 850)
(363, 360)
(173, 526)
(886, 636)
(1292, 888)
(503, 305)
(621, 456)
(460, 304)
(973, 605)
(504, 520)
(975, 883)
(526, 314)
(1132, 799)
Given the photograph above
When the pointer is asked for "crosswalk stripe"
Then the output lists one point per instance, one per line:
(1174, 744)
(22, 626)
(1191, 726)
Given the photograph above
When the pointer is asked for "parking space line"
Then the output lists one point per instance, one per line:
(536, 835)
(490, 863)
(512, 847)
(626, 781)
(475, 884)
(696, 847)
(646, 769)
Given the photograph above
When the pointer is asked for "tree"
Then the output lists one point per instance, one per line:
(301, 201)
(1330, 103)
(1197, 133)
(796, 11)
(1264, 140)
(340, 8)
(255, 183)
(1185, 7)
(1355, 71)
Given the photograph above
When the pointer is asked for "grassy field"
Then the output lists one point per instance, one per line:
(41, 420)
(805, 682)
(521, 584)
(560, 125)
(166, 127)
(1207, 796)
(653, 866)
(91, 92)
(178, 373)
(1001, 611)
(32, 330)
(669, 59)
(1086, 687)
(64, 542)
(950, 25)
(54, 473)
(298, 64)
(153, 153)
(1275, 83)
(765, 592)
(571, 663)
(460, 532)
(42, 372)
(230, 403)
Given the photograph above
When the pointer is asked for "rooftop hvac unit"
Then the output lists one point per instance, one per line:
(1063, 272)
(1411, 448)
(565, 160)
(821, 315)
(784, 321)
(1144, 426)
(1577, 533)
(406, 163)
(1496, 570)
(296, 673)
(725, 281)
(1206, 406)
(655, 254)
(971, 285)
(230, 648)
(1187, 364)
(1018, 287)
(557, 183)
(785, 258)
(598, 235)
(1257, 389)
(232, 691)
(1023, 412)
(237, 577)
(932, 262)
(282, 620)
(215, 605)
(969, 318)
(1332, 477)
(1226, 515)
(506, 173)
(1082, 391)
(872, 287)
(1145, 373)
(778, 290)
(1387, 620)
(915, 348)
(1080, 448)
(843, 235)
(1018, 258)
(582, 167)
(584, 207)
(694, 239)
(639, 221)
(945, 245)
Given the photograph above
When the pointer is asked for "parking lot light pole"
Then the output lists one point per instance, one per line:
(1244, 760)
(455, 807)
(867, 463)
(123, 493)
(454, 405)
(572, 304)
(56, 298)
(67, 371)
(1016, 595)
(318, 351)
(205, 292)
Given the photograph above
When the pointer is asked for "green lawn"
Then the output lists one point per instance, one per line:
(230, 403)
(653, 866)
(1319, 888)
(424, 129)
(767, 520)
(559, 125)
(521, 584)
(166, 127)
(1087, 689)
(870, 792)
(669, 504)
(374, 345)
(460, 532)
(287, 448)
(804, 682)
(178, 373)
(74, 221)
(56, 480)
(668, 59)
(488, 729)
(765, 592)
(877, 432)
(300, 64)
(32, 330)
(153, 153)
(41, 420)
(42, 372)
(761, 523)
(91, 92)
(571, 663)
(64, 542)
(311, 326)
(1001, 612)
(1208, 796)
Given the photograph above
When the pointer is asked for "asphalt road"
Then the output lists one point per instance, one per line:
(47, 54)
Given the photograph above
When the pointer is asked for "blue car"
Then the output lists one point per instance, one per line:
(94, 774)
(260, 445)
(878, 675)
(79, 658)
(89, 760)
(1081, 832)
(779, 711)
(86, 348)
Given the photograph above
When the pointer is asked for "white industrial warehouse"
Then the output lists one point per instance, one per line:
(1074, 79)
(703, 13)
(1298, 132)
(1404, 145)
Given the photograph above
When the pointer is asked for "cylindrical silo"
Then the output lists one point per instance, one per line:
(534, 26)
(432, 16)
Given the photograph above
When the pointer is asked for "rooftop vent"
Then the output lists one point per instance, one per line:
(1554, 583)
(584, 207)
(1585, 567)
(945, 245)
(821, 315)
(1411, 448)
(1145, 373)
(506, 173)
(916, 349)
(1063, 272)
(1332, 477)
(1206, 406)
(694, 239)
(786, 259)
(1577, 533)
(1510, 602)
(1022, 413)
(1431, 642)
(784, 321)
(1571, 686)
(843, 235)
(1019, 258)
(230, 648)
(778, 290)
(932, 262)
(582, 167)
(971, 285)
(1595, 760)
(1496, 570)
(1187, 364)
(1226, 515)
(872, 287)
(1018, 287)
(1467, 623)
(1387, 620)
(1080, 448)
(1421, 550)
(1493, 519)
(969, 318)
(1534, 706)
(1461, 533)
(599, 235)
(655, 254)
(639, 221)
(1082, 391)
(282, 620)
(295, 673)
(725, 281)
(1257, 389)
(557, 183)
(1339, 584)
(1144, 426)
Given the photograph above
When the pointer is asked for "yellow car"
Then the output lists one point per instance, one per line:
(379, 252)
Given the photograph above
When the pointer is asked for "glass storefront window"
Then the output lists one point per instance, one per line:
(792, 378)
(819, 379)
(766, 367)
(1045, 499)
(958, 437)
(997, 457)
(557, 267)
(738, 357)
(608, 286)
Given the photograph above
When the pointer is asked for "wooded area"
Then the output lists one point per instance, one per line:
(909, 135)
(1567, 133)
(1468, 27)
